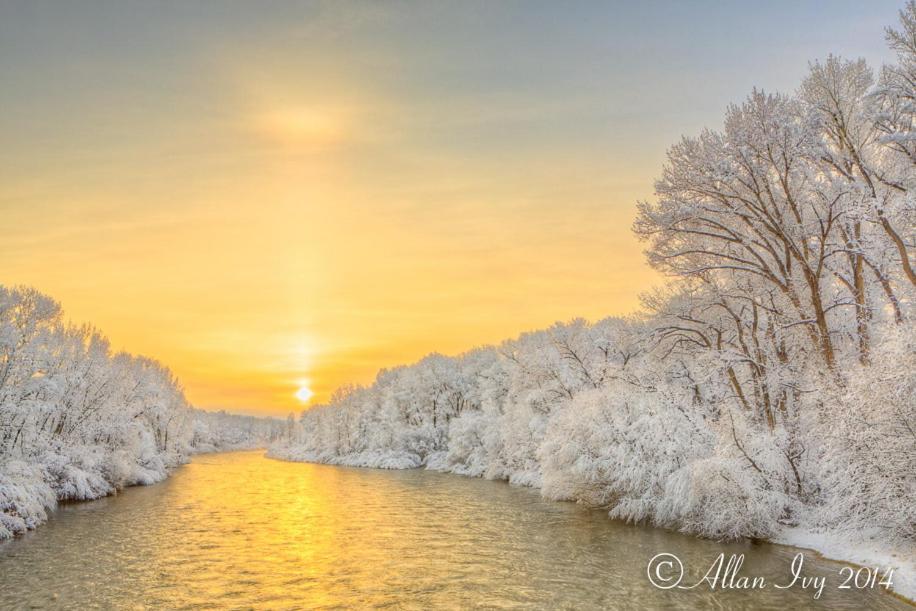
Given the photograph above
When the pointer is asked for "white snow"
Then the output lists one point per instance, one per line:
(861, 551)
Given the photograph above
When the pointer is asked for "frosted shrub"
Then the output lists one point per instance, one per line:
(467, 452)
(118, 468)
(77, 476)
(578, 452)
(24, 498)
(866, 446)
(521, 432)
(720, 497)
(418, 441)
(616, 448)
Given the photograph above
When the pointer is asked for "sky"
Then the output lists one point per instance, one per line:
(274, 196)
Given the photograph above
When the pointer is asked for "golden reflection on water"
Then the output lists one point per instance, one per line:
(241, 531)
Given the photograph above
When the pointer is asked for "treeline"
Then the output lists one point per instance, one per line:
(78, 421)
(770, 382)
(222, 431)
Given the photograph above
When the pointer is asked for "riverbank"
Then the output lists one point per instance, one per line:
(863, 553)
(856, 550)
(30, 489)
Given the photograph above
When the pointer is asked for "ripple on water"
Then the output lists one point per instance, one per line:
(238, 531)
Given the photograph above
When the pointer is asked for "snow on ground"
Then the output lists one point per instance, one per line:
(861, 551)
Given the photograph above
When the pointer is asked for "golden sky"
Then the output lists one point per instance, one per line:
(300, 195)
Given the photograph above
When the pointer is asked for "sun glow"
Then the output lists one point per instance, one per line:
(301, 126)
(304, 393)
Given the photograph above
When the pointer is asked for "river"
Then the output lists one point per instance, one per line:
(238, 530)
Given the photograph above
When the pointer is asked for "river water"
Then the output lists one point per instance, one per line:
(238, 530)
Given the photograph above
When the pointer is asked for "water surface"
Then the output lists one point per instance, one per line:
(238, 530)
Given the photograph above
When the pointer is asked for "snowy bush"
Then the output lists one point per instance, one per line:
(720, 497)
(866, 459)
(467, 452)
(25, 498)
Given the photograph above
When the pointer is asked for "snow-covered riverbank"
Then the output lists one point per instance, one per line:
(31, 488)
(871, 554)
(79, 421)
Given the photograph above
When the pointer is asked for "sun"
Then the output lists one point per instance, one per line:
(304, 393)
